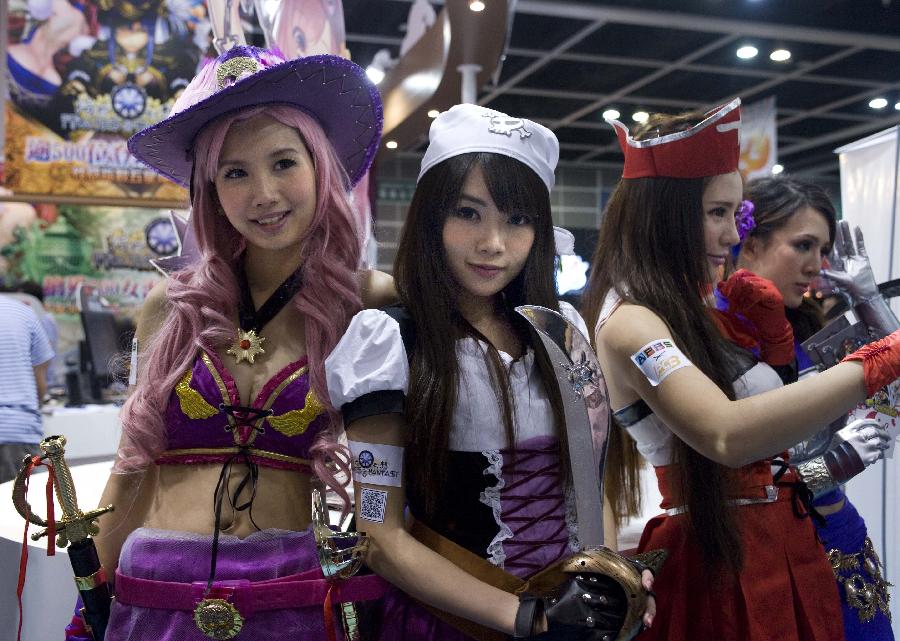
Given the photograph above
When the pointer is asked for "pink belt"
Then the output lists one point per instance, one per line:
(248, 597)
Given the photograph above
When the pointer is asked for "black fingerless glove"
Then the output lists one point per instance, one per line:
(585, 607)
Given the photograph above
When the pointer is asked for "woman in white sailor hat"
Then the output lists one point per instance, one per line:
(451, 412)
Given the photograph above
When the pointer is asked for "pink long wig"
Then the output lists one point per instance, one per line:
(202, 299)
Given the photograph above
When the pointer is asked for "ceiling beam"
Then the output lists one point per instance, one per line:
(570, 42)
(843, 134)
(650, 63)
(646, 80)
(820, 110)
(695, 22)
(796, 74)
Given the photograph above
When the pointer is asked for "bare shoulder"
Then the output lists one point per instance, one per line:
(631, 327)
(153, 311)
(377, 289)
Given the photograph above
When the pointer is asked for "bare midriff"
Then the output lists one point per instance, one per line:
(183, 500)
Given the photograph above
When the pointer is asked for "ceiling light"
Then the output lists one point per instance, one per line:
(434, 113)
(878, 103)
(640, 116)
(375, 74)
(746, 52)
(897, 106)
(611, 114)
(777, 169)
(780, 55)
(391, 144)
(476, 5)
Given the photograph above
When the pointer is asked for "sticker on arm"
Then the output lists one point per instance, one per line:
(659, 358)
(372, 504)
(132, 372)
(377, 464)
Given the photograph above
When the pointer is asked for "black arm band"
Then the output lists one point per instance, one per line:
(843, 462)
(529, 609)
(372, 404)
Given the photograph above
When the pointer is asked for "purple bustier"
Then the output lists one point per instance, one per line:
(537, 522)
(207, 424)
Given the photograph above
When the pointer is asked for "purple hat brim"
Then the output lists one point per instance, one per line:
(333, 90)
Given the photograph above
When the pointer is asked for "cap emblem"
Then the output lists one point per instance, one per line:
(234, 69)
(505, 126)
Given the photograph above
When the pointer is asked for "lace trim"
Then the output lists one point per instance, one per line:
(572, 521)
(491, 498)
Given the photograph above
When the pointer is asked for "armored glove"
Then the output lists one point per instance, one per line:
(583, 607)
(601, 597)
(853, 448)
(851, 272)
(759, 301)
(880, 360)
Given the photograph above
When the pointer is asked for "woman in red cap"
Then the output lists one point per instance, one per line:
(744, 563)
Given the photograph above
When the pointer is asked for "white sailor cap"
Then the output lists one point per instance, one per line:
(468, 128)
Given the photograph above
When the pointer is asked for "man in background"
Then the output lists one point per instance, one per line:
(25, 354)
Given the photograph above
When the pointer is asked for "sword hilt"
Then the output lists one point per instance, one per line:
(341, 555)
(74, 525)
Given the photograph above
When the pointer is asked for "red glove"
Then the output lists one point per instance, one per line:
(880, 360)
(734, 329)
(759, 301)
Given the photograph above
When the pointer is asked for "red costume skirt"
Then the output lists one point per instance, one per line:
(786, 590)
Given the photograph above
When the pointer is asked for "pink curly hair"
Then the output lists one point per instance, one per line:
(202, 299)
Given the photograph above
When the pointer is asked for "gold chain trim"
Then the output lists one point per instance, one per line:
(866, 589)
(226, 451)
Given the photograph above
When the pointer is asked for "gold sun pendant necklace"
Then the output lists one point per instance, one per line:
(248, 344)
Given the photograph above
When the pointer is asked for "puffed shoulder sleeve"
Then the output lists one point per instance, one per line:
(569, 312)
(367, 373)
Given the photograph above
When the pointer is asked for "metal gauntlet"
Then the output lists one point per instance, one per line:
(596, 594)
(876, 314)
(833, 468)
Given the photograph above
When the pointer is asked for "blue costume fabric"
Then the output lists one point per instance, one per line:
(856, 566)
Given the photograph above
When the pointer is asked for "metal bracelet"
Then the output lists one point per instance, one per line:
(816, 476)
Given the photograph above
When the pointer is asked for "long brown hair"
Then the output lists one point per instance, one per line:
(651, 252)
(429, 292)
(776, 200)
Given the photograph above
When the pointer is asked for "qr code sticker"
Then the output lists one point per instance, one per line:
(372, 504)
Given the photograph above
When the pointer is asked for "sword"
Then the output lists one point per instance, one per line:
(75, 529)
(587, 415)
(587, 412)
(341, 555)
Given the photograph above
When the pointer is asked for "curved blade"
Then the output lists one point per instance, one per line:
(587, 413)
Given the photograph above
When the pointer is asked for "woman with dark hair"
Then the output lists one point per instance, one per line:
(701, 410)
(452, 377)
(229, 427)
(788, 234)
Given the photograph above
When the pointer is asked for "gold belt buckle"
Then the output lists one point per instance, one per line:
(218, 619)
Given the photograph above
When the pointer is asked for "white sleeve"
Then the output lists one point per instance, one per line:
(370, 357)
(575, 318)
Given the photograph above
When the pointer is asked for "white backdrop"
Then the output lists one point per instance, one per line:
(870, 174)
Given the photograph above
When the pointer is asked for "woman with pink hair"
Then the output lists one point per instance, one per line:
(230, 421)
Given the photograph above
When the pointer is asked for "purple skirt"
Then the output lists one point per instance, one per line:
(164, 555)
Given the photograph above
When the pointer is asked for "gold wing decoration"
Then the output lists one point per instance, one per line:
(296, 422)
(193, 405)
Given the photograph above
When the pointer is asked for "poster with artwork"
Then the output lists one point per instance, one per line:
(85, 75)
(759, 139)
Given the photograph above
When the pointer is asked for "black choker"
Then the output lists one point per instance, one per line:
(249, 341)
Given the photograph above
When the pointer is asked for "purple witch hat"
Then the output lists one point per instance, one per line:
(333, 90)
